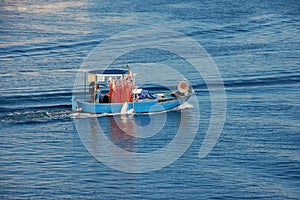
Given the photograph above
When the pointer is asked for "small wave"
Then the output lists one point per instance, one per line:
(8, 74)
(81, 115)
(263, 81)
(39, 97)
(254, 81)
(19, 51)
(35, 108)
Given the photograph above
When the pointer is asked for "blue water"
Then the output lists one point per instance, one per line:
(255, 45)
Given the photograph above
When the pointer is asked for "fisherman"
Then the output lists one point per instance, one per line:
(92, 91)
(98, 94)
(107, 97)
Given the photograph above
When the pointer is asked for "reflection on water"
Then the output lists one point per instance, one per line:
(119, 136)
(122, 130)
(116, 142)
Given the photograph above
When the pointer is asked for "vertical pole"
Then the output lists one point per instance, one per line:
(84, 85)
(132, 93)
(133, 100)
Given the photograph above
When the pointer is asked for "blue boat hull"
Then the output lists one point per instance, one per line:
(148, 106)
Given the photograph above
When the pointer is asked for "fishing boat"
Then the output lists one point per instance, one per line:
(113, 91)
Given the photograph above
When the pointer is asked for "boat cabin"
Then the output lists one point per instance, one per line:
(110, 86)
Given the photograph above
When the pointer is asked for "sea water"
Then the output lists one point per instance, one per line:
(254, 44)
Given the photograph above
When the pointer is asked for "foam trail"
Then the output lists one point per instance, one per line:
(185, 105)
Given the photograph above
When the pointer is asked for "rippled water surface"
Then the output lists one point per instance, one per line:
(255, 46)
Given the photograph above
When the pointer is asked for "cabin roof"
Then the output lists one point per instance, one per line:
(109, 71)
